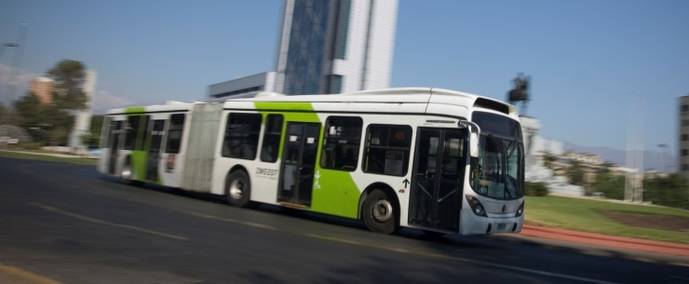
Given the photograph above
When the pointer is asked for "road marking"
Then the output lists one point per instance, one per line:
(334, 239)
(103, 222)
(15, 273)
(403, 250)
(470, 261)
(229, 220)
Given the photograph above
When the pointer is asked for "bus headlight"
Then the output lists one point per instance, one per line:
(476, 206)
(520, 211)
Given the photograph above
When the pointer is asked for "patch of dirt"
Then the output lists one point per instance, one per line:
(654, 221)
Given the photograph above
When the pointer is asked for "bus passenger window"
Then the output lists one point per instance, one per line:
(387, 149)
(174, 133)
(342, 139)
(241, 135)
(271, 138)
(131, 132)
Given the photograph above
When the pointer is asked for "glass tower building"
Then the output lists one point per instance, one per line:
(335, 46)
(325, 46)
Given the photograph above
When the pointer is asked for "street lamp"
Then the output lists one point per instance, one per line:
(663, 150)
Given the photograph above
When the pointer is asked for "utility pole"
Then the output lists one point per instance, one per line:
(634, 154)
(18, 46)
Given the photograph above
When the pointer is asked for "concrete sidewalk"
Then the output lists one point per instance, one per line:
(624, 243)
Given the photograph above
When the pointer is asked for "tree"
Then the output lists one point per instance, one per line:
(610, 185)
(671, 190)
(575, 173)
(46, 123)
(548, 160)
(69, 76)
(51, 123)
(8, 116)
(92, 139)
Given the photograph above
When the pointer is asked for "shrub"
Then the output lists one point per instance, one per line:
(535, 189)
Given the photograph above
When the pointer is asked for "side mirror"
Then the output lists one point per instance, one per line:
(473, 144)
(474, 135)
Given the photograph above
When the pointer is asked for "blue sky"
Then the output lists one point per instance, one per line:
(589, 59)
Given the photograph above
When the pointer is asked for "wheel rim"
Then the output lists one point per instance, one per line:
(127, 172)
(236, 189)
(382, 210)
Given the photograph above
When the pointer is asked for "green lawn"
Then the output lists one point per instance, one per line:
(583, 215)
(38, 156)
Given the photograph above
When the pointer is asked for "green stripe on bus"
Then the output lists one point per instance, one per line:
(334, 192)
(134, 109)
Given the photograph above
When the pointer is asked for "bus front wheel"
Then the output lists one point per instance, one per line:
(238, 189)
(378, 212)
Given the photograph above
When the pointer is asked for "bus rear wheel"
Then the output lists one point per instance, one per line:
(379, 212)
(238, 189)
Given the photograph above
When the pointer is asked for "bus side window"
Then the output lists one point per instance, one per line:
(241, 135)
(105, 132)
(174, 133)
(131, 131)
(342, 141)
(387, 149)
(271, 138)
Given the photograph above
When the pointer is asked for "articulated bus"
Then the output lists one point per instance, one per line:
(441, 161)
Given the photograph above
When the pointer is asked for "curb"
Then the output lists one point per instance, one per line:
(606, 240)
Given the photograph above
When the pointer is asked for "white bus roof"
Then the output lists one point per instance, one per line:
(416, 99)
(414, 95)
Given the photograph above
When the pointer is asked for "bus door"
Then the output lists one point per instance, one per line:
(438, 178)
(114, 145)
(155, 136)
(298, 162)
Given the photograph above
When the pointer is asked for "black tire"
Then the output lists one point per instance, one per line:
(379, 212)
(238, 189)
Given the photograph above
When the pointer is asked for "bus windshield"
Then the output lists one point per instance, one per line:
(500, 167)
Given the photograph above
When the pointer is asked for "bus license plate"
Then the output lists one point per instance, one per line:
(502, 226)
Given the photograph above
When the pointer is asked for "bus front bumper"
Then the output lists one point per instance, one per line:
(472, 224)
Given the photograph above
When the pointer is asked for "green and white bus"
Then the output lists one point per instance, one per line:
(426, 158)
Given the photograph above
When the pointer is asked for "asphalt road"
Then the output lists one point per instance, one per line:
(70, 224)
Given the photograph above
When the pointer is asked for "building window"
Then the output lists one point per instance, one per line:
(343, 8)
(241, 135)
(685, 137)
(271, 138)
(685, 152)
(334, 84)
(131, 132)
(685, 108)
(342, 140)
(387, 149)
(174, 133)
(685, 167)
(307, 47)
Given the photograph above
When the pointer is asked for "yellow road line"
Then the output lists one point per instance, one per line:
(103, 222)
(18, 275)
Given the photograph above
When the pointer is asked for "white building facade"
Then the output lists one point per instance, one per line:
(327, 46)
(82, 118)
